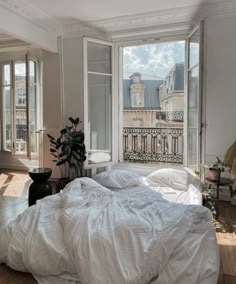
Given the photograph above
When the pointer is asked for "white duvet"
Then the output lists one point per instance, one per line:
(89, 234)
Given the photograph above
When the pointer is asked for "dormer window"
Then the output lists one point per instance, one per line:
(137, 91)
(137, 99)
(136, 78)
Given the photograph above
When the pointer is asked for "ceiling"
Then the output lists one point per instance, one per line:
(8, 41)
(49, 19)
(93, 10)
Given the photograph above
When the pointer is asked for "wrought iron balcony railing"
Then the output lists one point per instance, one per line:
(153, 144)
(171, 115)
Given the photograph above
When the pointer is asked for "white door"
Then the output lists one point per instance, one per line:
(33, 119)
(194, 98)
(20, 109)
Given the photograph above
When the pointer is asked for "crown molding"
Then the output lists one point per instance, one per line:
(79, 29)
(158, 18)
(30, 13)
(164, 32)
(174, 17)
(168, 17)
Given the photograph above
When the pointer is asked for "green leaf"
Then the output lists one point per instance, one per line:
(76, 155)
(52, 150)
(63, 131)
(61, 162)
(66, 149)
(71, 120)
(50, 137)
(77, 121)
(52, 142)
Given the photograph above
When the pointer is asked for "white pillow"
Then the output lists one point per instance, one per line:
(118, 179)
(176, 179)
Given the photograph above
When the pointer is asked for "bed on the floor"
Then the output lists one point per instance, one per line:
(118, 228)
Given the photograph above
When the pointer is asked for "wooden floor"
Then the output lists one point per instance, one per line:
(13, 200)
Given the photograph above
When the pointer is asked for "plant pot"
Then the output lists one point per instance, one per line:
(39, 188)
(214, 175)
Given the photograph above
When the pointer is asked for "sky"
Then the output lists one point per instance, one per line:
(153, 59)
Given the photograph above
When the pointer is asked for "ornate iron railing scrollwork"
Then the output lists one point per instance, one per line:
(153, 144)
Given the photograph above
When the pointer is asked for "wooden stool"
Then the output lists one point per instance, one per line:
(218, 183)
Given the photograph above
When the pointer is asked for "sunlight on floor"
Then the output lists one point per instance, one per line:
(14, 184)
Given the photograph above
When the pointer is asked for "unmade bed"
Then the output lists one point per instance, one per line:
(117, 228)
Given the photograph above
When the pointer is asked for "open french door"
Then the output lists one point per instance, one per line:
(194, 99)
(32, 102)
(98, 102)
(20, 108)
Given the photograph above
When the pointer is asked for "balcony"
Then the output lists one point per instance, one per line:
(177, 116)
(151, 145)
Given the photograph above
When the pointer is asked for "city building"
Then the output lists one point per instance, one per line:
(140, 99)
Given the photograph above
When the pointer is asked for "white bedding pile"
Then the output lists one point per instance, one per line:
(90, 234)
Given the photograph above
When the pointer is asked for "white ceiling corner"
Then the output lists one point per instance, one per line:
(32, 14)
(175, 17)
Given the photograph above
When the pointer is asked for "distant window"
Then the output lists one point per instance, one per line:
(137, 95)
(137, 100)
(21, 95)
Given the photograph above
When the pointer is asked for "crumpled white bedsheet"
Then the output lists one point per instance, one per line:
(88, 234)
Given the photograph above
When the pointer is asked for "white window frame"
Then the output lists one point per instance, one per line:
(86, 118)
(202, 97)
(119, 88)
(13, 103)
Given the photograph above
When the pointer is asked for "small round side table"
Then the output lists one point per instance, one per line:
(218, 183)
(40, 187)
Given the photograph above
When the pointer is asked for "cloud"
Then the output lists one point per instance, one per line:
(153, 59)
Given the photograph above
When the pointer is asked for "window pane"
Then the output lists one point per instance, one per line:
(6, 75)
(99, 58)
(100, 118)
(194, 49)
(193, 102)
(193, 116)
(20, 108)
(32, 67)
(33, 109)
(7, 143)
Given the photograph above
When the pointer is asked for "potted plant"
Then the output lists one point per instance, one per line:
(216, 169)
(68, 151)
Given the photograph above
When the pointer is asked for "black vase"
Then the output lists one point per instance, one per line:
(40, 187)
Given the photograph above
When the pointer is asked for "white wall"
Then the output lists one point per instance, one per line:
(220, 86)
(52, 106)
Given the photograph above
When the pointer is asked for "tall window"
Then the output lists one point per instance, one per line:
(153, 103)
(19, 97)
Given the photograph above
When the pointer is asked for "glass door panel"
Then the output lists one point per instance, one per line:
(20, 113)
(6, 106)
(194, 98)
(98, 88)
(32, 111)
(99, 114)
(99, 58)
